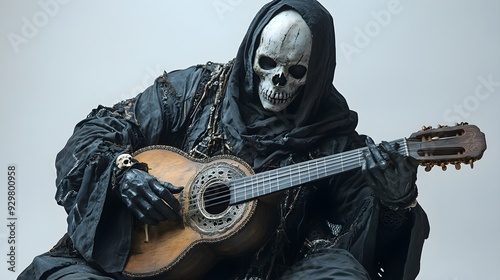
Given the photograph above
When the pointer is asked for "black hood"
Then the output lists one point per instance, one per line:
(319, 111)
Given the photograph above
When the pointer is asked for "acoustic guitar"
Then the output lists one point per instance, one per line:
(223, 202)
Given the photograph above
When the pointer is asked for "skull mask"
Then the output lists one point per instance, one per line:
(282, 59)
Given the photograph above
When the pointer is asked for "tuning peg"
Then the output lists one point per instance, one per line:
(458, 166)
(428, 167)
(443, 166)
(471, 163)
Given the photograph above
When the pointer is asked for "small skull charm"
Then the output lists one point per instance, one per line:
(124, 161)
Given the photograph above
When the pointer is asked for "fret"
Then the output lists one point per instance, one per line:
(308, 171)
(252, 186)
(342, 162)
(299, 175)
(317, 170)
(324, 167)
(269, 179)
(245, 192)
(255, 186)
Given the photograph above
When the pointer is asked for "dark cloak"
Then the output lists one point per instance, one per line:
(174, 111)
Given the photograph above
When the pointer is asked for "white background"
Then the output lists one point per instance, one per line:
(412, 63)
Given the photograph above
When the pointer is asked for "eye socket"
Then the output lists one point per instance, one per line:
(297, 71)
(267, 63)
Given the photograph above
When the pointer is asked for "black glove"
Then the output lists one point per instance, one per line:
(149, 199)
(391, 175)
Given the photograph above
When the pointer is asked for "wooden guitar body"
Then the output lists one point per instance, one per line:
(211, 229)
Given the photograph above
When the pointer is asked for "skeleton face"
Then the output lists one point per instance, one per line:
(282, 59)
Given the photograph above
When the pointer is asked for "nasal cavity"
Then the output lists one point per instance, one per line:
(279, 80)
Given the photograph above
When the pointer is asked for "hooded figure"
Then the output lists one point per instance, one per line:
(335, 227)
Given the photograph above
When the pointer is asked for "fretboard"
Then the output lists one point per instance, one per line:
(264, 183)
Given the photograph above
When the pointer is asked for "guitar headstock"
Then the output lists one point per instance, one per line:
(444, 145)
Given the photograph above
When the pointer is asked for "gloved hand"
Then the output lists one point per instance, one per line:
(149, 199)
(391, 175)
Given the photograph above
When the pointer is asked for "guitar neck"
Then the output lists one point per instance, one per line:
(264, 183)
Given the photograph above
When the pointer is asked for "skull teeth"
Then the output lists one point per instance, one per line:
(277, 97)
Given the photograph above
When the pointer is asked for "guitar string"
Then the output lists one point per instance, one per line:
(349, 160)
(237, 190)
(285, 175)
(353, 156)
(350, 157)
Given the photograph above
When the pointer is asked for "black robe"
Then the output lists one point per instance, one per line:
(175, 111)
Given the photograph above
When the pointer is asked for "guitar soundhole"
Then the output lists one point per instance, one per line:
(208, 210)
(216, 198)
